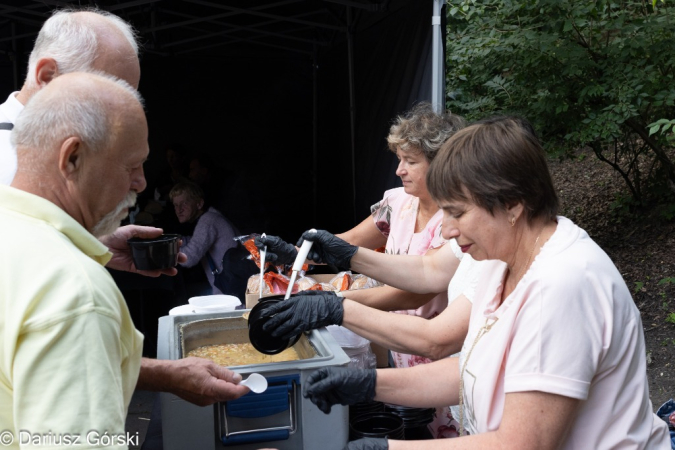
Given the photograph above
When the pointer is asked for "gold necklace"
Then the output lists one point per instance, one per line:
(529, 259)
(481, 332)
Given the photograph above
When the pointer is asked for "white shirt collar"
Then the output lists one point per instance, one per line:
(12, 107)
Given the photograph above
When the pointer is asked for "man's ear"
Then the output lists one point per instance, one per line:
(200, 204)
(70, 157)
(46, 70)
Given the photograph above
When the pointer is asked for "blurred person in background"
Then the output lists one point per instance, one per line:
(213, 235)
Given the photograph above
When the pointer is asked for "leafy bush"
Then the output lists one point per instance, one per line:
(595, 74)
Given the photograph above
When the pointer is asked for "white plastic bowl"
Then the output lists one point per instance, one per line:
(214, 303)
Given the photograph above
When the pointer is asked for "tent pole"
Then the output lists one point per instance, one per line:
(315, 109)
(437, 64)
(352, 106)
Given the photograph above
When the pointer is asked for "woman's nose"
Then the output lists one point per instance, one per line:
(449, 232)
(449, 228)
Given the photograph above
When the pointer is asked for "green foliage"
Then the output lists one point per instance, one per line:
(638, 286)
(621, 208)
(671, 318)
(597, 73)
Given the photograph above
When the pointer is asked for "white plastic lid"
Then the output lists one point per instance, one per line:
(346, 338)
(182, 310)
(214, 303)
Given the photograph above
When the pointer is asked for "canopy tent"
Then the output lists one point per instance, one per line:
(293, 98)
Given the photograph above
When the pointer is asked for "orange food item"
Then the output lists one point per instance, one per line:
(316, 287)
(346, 279)
(278, 283)
(341, 281)
(253, 250)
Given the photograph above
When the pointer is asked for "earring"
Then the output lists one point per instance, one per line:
(513, 221)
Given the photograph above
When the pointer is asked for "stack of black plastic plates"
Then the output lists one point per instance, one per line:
(376, 425)
(365, 407)
(413, 418)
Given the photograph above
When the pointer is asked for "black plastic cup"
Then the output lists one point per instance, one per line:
(155, 253)
(376, 425)
(260, 339)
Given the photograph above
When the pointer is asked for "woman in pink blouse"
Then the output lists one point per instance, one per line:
(405, 221)
(554, 357)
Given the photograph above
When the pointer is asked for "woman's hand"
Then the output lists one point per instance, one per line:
(303, 312)
(278, 250)
(329, 249)
(339, 385)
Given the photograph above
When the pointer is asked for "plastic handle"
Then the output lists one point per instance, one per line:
(302, 253)
(263, 254)
(262, 436)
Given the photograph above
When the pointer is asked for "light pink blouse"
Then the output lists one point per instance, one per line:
(395, 216)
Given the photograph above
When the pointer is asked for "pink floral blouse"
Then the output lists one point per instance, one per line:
(395, 216)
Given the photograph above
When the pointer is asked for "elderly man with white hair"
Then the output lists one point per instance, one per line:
(85, 41)
(92, 40)
(70, 355)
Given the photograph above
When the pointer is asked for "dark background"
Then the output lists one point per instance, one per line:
(263, 88)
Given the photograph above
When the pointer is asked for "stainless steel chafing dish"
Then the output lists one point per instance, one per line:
(279, 418)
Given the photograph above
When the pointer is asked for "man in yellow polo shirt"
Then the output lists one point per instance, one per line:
(69, 355)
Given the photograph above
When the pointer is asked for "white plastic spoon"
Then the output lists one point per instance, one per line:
(255, 382)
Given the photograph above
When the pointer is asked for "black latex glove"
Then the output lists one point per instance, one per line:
(368, 444)
(278, 250)
(329, 386)
(303, 312)
(329, 249)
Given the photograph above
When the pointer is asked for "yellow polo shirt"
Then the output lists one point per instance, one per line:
(69, 352)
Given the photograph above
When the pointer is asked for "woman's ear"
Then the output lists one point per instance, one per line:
(200, 204)
(514, 212)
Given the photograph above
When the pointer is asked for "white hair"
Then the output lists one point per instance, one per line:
(73, 42)
(50, 118)
(111, 221)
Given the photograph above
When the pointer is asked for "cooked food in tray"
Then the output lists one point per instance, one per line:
(230, 355)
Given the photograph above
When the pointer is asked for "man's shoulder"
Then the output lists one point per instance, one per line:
(44, 265)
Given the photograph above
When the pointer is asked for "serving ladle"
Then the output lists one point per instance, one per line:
(263, 254)
(299, 262)
(255, 382)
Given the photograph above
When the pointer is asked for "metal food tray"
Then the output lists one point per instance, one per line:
(229, 330)
(300, 426)
(180, 334)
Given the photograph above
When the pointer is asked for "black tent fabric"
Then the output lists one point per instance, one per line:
(276, 122)
(392, 71)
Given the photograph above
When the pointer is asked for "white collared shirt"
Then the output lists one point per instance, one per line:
(9, 111)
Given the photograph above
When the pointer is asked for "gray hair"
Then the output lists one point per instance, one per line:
(48, 119)
(73, 42)
(423, 130)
